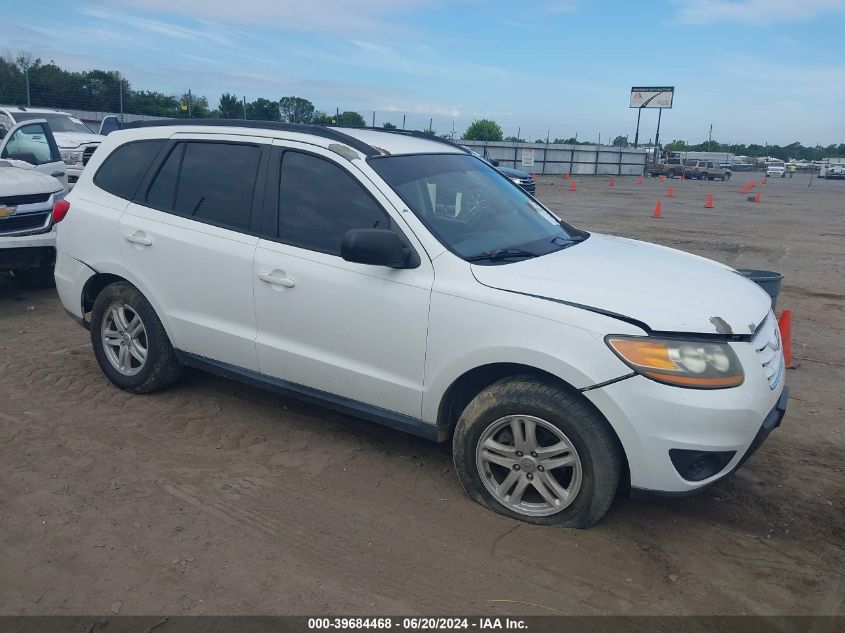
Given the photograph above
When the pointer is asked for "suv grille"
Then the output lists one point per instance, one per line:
(34, 198)
(769, 350)
(87, 153)
(25, 222)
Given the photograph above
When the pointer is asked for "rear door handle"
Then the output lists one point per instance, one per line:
(58, 174)
(277, 280)
(138, 237)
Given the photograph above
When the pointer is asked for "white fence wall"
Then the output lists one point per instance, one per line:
(555, 159)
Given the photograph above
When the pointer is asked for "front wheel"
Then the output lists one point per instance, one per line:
(531, 450)
(129, 341)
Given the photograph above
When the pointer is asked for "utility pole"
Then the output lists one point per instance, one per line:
(25, 61)
(710, 137)
(637, 135)
(337, 115)
(244, 108)
(120, 90)
(374, 118)
(190, 106)
(403, 121)
(431, 125)
(519, 132)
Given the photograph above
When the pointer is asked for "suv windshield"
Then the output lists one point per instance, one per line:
(58, 122)
(474, 210)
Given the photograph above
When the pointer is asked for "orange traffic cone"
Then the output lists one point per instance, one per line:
(709, 203)
(533, 177)
(785, 327)
(762, 180)
(757, 197)
(657, 212)
(611, 182)
(566, 176)
(752, 184)
(669, 193)
(572, 186)
(661, 179)
(683, 178)
(640, 180)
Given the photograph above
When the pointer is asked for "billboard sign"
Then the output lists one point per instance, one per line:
(652, 97)
(527, 157)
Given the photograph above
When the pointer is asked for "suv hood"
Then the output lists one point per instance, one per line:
(666, 289)
(514, 173)
(17, 181)
(72, 140)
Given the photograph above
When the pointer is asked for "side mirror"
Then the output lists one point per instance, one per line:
(494, 162)
(377, 247)
(3, 131)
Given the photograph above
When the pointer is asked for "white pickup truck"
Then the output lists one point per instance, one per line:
(76, 141)
(28, 191)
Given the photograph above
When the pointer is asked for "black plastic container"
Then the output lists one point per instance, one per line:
(768, 280)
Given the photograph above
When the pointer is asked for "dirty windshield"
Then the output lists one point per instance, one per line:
(473, 209)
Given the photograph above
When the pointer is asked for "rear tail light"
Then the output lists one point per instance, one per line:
(60, 210)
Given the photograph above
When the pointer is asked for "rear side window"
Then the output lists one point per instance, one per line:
(210, 182)
(122, 172)
(320, 202)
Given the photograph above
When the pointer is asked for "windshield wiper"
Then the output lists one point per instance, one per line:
(502, 253)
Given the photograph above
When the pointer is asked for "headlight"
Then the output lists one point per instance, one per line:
(683, 363)
(517, 180)
(71, 158)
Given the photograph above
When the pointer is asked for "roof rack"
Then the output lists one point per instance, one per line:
(302, 128)
(415, 133)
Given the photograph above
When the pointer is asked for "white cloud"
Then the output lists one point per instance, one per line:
(331, 16)
(209, 32)
(754, 12)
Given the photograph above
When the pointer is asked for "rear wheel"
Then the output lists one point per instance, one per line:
(129, 341)
(531, 450)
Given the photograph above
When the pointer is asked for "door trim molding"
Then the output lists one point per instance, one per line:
(399, 421)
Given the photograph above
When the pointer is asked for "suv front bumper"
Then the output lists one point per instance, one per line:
(656, 422)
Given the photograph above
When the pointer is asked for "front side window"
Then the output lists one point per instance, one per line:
(472, 209)
(32, 144)
(210, 182)
(122, 172)
(319, 202)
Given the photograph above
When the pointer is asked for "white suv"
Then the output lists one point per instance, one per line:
(76, 141)
(347, 267)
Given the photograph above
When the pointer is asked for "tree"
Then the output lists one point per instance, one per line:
(483, 130)
(199, 105)
(230, 107)
(620, 141)
(389, 126)
(296, 109)
(514, 139)
(321, 118)
(262, 110)
(351, 119)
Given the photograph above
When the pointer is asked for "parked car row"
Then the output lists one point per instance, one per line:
(42, 155)
(674, 167)
(422, 289)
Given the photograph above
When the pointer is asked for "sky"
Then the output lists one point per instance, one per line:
(764, 71)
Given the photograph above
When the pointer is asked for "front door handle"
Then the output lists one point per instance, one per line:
(138, 237)
(277, 279)
(58, 174)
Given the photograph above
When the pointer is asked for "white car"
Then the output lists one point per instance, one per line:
(76, 141)
(27, 199)
(832, 170)
(776, 169)
(346, 267)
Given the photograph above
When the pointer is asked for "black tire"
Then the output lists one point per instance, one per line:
(595, 443)
(161, 368)
(40, 277)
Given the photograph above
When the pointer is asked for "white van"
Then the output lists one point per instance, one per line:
(347, 267)
(776, 169)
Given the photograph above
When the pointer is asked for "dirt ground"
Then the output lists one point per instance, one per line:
(216, 498)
